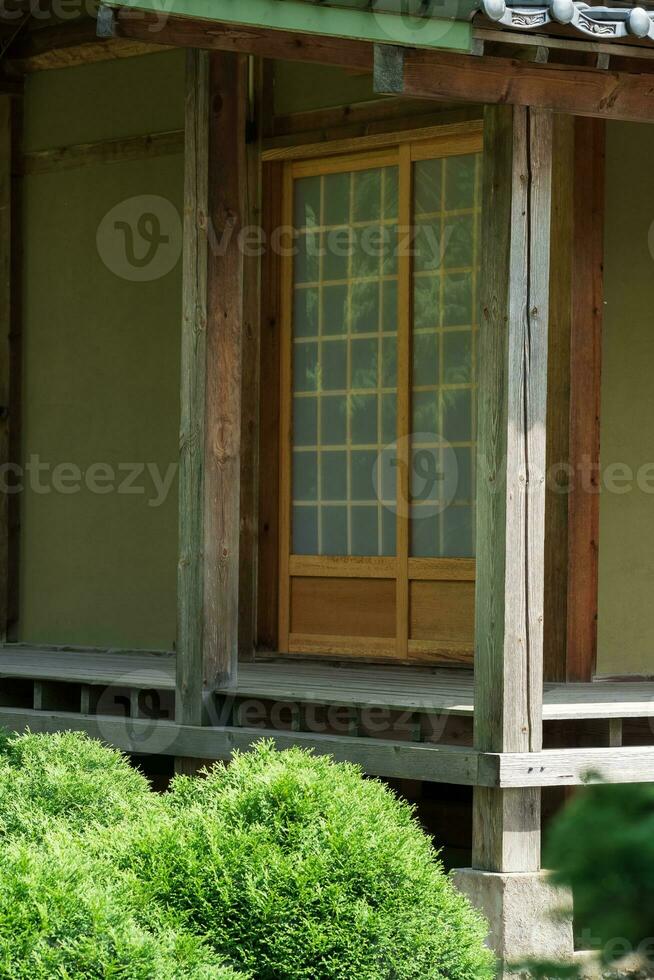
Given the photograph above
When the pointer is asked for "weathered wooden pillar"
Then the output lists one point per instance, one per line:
(575, 376)
(512, 460)
(10, 359)
(214, 193)
(5, 355)
(511, 473)
(585, 397)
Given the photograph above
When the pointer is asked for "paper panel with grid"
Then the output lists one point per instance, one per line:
(344, 363)
(447, 207)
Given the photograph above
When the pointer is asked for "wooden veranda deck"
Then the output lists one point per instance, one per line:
(418, 689)
(127, 699)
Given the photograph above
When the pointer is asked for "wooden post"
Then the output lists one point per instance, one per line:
(5, 355)
(511, 474)
(10, 356)
(248, 564)
(227, 193)
(585, 396)
(211, 382)
(558, 401)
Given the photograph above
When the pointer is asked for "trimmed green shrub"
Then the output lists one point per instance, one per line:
(295, 868)
(63, 914)
(282, 866)
(70, 776)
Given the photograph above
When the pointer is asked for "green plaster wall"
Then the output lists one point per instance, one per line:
(626, 606)
(302, 87)
(101, 367)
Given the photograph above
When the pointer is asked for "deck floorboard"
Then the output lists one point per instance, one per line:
(417, 689)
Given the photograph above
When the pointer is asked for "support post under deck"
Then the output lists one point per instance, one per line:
(512, 424)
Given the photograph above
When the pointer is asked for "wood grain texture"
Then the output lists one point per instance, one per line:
(352, 566)
(11, 368)
(403, 434)
(211, 35)
(363, 119)
(331, 118)
(558, 404)
(343, 607)
(250, 384)
(506, 828)
(515, 773)
(442, 653)
(512, 469)
(69, 44)
(443, 569)
(285, 418)
(370, 649)
(442, 612)
(379, 757)
(575, 767)
(190, 576)
(269, 420)
(103, 152)
(222, 476)
(560, 88)
(439, 75)
(585, 398)
(433, 690)
(460, 137)
(5, 345)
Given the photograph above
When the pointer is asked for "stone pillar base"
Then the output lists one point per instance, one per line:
(529, 918)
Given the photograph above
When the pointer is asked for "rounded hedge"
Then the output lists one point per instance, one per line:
(47, 777)
(64, 914)
(295, 868)
(279, 866)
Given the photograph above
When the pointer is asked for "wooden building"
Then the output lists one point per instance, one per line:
(386, 269)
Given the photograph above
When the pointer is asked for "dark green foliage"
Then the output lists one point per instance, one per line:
(44, 777)
(603, 847)
(298, 869)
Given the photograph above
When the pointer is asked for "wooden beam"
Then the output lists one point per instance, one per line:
(5, 350)
(584, 91)
(470, 128)
(558, 404)
(190, 577)
(511, 473)
(513, 772)
(571, 767)
(228, 86)
(427, 74)
(502, 35)
(103, 152)
(68, 45)
(585, 397)
(276, 44)
(389, 113)
(379, 757)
